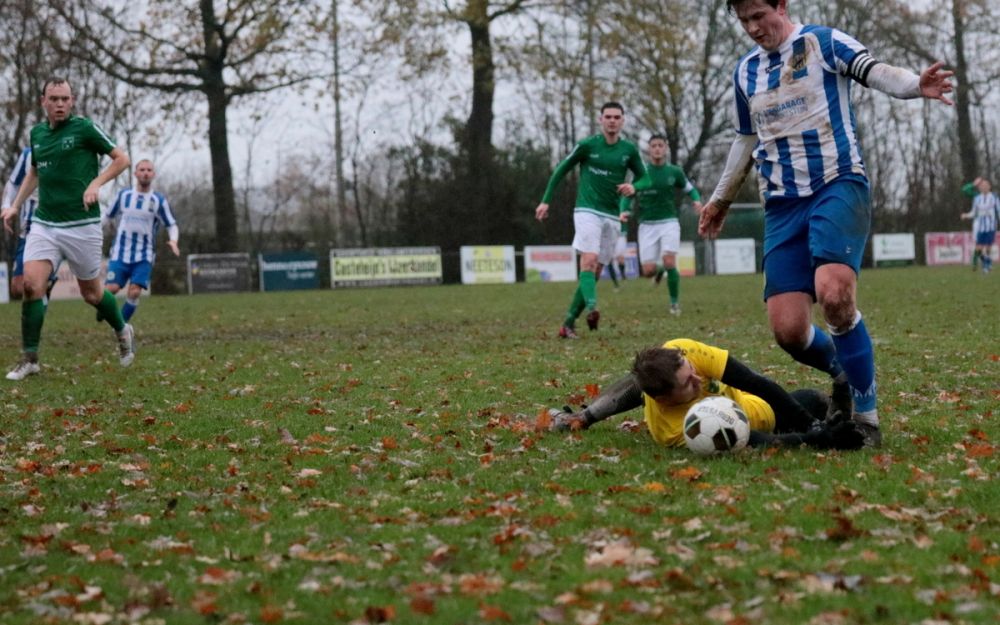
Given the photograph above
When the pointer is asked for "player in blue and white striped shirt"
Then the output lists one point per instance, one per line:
(794, 120)
(984, 214)
(10, 189)
(140, 212)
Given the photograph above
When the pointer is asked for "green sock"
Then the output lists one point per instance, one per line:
(975, 257)
(674, 284)
(108, 309)
(588, 288)
(32, 317)
(575, 308)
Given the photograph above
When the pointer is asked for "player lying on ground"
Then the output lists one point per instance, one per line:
(666, 381)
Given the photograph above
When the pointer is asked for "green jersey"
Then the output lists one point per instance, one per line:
(602, 169)
(66, 159)
(656, 203)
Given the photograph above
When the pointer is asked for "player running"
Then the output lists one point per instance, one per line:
(140, 212)
(659, 228)
(65, 167)
(795, 122)
(604, 161)
(985, 213)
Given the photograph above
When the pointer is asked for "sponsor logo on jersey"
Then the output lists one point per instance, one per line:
(785, 110)
(68, 143)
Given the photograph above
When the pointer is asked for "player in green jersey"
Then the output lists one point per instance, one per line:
(659, 229)
(65, 166)
(604, 161)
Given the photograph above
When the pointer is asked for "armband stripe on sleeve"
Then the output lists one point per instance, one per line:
(861, 66)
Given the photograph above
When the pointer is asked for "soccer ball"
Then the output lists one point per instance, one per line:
(716, 424)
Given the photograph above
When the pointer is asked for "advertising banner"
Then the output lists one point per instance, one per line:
(894, 249)
(488, 264)
(385, 266)
(953, 248)
(288, 271)
(946, 248)
(735, 256)
(218, 273)
(549, 263)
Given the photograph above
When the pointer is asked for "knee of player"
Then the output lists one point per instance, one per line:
(838, 306)
(791, 337)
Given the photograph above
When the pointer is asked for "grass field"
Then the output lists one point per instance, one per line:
(371, 456)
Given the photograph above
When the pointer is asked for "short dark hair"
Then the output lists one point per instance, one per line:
(655, 370)
(732, 4)
(54, 80)
(612, 105)
(656, 136)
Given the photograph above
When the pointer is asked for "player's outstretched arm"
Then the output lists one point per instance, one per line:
(738, 164)
(621, 396)
(789, 415)
(935, 83)
(119, 163)
(711, 218)
(28, 186)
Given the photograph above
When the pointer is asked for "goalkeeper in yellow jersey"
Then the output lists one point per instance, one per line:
(667, 380)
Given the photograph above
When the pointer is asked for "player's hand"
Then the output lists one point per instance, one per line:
(173, 248)
(934, 83)
(90, 195)
(626, 189)
(624, 216)
(566, 420)
(7, 214)
(837, 433)
(710, 220)
(697, 206)
(542, 211)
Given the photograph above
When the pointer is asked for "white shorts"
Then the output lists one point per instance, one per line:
(596, 234)
(80, 246)
(656, 240)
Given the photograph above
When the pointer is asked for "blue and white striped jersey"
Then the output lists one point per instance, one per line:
(140, 216)
(985, 212)
(797, 101)
(14, 185)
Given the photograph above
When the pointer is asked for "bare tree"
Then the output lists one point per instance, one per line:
(243, 47)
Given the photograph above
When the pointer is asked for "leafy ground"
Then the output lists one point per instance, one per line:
(371, 456)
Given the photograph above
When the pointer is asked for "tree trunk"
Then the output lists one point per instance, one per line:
(214, 87)
(475, 208)
(334, 221)
(479, 127)
(966, 139)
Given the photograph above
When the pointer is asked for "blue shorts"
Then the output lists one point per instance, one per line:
(18, 259)
(830, 226)
(982, 238)
(137, 273)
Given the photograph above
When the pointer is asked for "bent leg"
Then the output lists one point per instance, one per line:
(836, 286)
